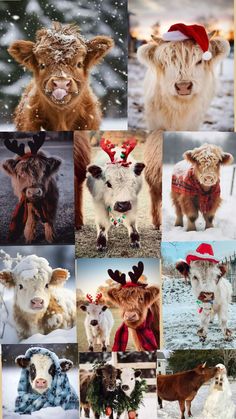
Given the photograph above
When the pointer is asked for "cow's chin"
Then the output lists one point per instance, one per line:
(133, 324)
(40, 390)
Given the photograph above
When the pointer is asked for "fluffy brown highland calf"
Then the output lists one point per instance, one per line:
(153, 173)
(183, 386)
(139, 306)
(82, 155)
(59, 97)
(32, 176)
(196, 184)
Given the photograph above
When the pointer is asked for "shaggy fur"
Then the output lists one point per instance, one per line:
(179, 85)
(153, 173)
(59, 97)
(82, 156)
(204, 162)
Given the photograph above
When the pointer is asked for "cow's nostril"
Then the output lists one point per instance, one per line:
(37, 303)
(125, 387)
(183, 88)
(122, 206)
(94, 322)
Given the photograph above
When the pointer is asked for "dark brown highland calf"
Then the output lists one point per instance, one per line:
(82, 155)
(183, 386)
(196, 184)
(35, 187)
(59, 97)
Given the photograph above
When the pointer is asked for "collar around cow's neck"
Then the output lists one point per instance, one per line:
(133, 285)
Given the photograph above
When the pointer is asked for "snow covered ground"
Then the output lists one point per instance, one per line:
(224, 224)
(171, 409)
(220, 116)
(181, 319)
(10, 380)
(147, 411)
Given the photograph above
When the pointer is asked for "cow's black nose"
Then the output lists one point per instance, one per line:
(122, 206)
(94, 322)
(125, 387)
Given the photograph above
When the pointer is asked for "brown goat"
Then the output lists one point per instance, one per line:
(196, 184)
(153, 173)
(82, 155)
(59, 97)
(36, 189)
(139, 305)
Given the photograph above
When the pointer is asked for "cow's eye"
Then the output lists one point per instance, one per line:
(47, 286)
(79, 65)
(108, 184)
(132, 378)
(199, 62)
(20, 286)
(42, 66)
(195, 277)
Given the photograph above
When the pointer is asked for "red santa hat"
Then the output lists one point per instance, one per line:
(180, 32)
(203, 252)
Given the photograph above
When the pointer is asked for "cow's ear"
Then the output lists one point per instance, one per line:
(83, 307)
(183, 268)
(99, 371)
(138, 168)
(59, 276)
(22, 52)
(118, 372)
(22, 361)
(146, 53)
(189, 156)
(7, 279)
(151, 294)
(227, 158)
(104, 308)
(138, 373)
(97, 48)
(95, 171)
(9, 166)
(113, 295)
(53, 165)
(65, 364)
(223, 269)
(219, 48)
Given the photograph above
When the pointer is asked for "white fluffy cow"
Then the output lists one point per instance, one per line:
(179, 85)
(212, 291)
(128, 378)
(41, 303)
(98, 325)
(114, 185)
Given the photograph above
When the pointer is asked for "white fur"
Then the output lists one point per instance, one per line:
(42, 364)
(99, 334)
(174, 62)
(204, 277)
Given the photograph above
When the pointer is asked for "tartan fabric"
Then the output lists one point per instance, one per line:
(144, 332)
(188, 184)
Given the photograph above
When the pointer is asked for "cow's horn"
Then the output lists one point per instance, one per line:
(203, 365)
(13, 146)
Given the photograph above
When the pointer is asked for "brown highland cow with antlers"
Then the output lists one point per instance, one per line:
(33, 183)
(139, 305)
(59, 97)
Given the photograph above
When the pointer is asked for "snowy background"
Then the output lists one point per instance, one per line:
(179, 309)
(11, 375)
(224, 223)
(58, 256)
(20, 20)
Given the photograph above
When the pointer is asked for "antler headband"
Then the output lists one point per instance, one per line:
(126, 149)
(90, 298)
(134, 276)
(19, 149)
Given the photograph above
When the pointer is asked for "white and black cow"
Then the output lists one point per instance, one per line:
(114, 185)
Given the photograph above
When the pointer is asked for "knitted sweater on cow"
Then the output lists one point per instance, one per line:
(60, 393)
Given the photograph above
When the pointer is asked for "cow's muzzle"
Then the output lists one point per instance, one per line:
(37, 303)
(131, 316)
(125, 387)
(41, 383)
(61, 89)
(206, 297)
(94, 322)
(34, 193)
(184, 88)
(122, 206)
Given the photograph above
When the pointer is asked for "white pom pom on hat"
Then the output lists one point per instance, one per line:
(181, 32)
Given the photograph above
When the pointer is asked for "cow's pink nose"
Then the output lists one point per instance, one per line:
(131, 316)
(184, 88)
(41, 383)
(37, 303)
(61, 83)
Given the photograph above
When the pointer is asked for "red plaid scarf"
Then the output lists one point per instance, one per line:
(144, 332)
(20, 215)
(189, 185)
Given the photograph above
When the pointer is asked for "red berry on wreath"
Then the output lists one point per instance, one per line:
(108, 411)
(132, 414)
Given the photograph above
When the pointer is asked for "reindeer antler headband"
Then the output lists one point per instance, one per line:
(134, 276)
(90, 298)
(19, 149)
(126, 149)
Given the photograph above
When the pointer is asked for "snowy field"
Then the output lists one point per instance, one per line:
(171, 409)
(10, 380)
(224, 224)
(220, 116)
(145, 412)
(181, 320)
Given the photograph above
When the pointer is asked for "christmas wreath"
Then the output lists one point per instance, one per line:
(133, 402)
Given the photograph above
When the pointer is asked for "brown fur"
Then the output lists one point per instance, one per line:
(59, 54)
(82, 156)
(183, 386)
(137, 300)
(153, 173)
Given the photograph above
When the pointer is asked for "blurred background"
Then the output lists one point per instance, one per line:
(21, 19)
